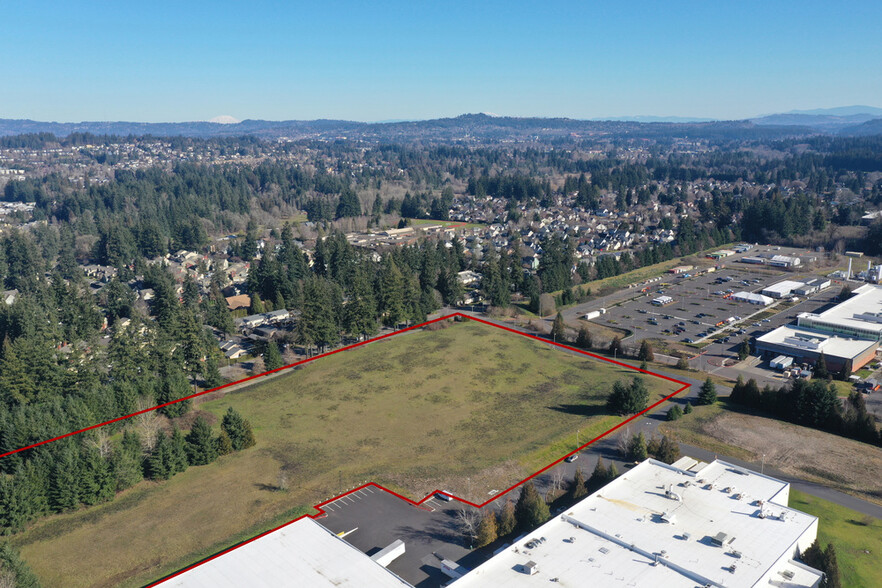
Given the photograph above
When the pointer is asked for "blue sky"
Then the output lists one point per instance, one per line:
(378, 60)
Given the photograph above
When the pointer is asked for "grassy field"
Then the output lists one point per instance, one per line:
(417, 412)
(691, 429)
(857, 539)
(840, 463)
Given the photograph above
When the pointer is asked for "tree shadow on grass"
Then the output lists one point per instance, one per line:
(585, 410)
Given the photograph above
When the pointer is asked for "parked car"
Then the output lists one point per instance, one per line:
(572, 458)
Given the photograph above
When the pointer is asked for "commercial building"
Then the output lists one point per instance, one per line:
(784, 261)
(721, 254)
(662, 300)
(752, 298)
(812, 286)
(300, 554)
(782, 289)
(681, 269)
(849, 334)
(806, 346)
(860, 316)
(688, 524)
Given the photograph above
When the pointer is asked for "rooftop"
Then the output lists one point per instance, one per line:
(301, 554)
(815, 340)
(659, 525)
(862, 311)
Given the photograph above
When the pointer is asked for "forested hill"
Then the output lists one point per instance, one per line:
(472, 128)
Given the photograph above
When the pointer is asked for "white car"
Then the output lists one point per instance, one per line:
(572, 458)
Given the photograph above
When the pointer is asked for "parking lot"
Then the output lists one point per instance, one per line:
(374, 518)
(701, 310)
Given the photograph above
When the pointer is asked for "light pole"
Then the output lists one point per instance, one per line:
(763, 467)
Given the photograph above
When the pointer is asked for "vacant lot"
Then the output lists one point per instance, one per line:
(470, 407)
(857, 539)
(810, 454)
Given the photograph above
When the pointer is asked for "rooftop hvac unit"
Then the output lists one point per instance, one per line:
(788, 574)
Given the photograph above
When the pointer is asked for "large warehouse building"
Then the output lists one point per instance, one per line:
(665, 526)
(849, 334)
(300, 554)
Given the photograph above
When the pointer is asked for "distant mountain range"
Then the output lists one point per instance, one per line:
(842, 120)
(485, 128)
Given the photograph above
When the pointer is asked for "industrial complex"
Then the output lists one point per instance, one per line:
(300, 554)
(848, 334)
(688, 524)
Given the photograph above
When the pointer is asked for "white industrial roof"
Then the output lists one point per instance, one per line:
(817, 341)
(615, 536)
(301, 554)
(866, 300)
(752, 296)
(784, 287)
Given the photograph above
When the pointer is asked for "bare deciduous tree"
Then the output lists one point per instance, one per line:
(468, 519)
(99, 439)
(147, 425)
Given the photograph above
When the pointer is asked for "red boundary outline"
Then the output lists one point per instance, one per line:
(321, 513)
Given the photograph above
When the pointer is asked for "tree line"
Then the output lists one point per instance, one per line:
(811, 403)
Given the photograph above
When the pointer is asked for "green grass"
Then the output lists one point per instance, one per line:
(843, 389)
(856, 537)
(417, 412)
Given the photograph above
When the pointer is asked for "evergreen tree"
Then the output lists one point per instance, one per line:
(97, 482)
(14, 572)
(488, 529)
(674, 413)
(349, 204)
(583, 340)
(126, 462)
(708, 392)
(831, 568)
(14, 509)
(821, 371)
(257, 306)
(177, 454)
(16, 384)
(211, 376)
(64, 481)
(223, 444)
(391, 293)
(613, 472)
(272, 358)
(646, 352)
(238, 429)
(578, 488)
(159, 462)
(599, 476)
(530, 509)
(615, 347)
(688, 408)
(173, 386)
(637, 448)
(507, 521)
(628, 398)
(558, 329)
(743, 350)
(664, 449)
(201, 446)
